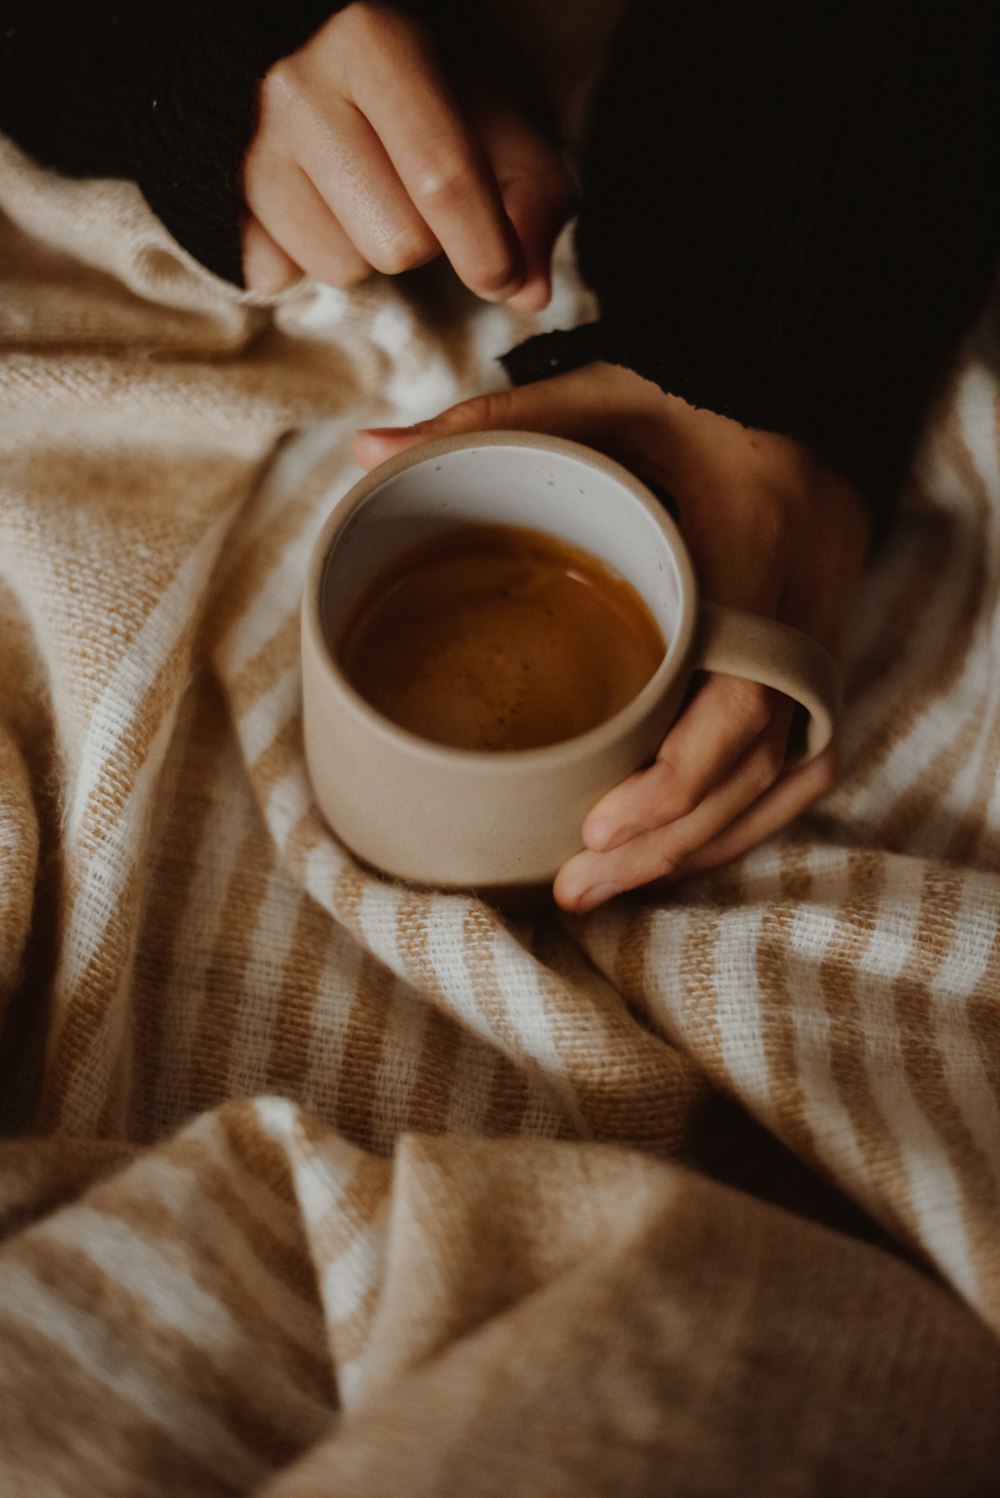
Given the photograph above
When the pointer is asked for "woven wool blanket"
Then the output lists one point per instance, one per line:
(314, 1184)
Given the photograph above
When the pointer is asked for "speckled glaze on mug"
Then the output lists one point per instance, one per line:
(471, 819)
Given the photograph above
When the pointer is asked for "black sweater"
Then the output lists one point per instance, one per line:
(790, 209)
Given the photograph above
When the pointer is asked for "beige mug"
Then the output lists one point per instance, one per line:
(468, 819)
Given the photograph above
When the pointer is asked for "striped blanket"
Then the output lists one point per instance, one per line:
(313, 1184)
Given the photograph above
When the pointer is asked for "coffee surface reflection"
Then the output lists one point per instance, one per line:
(495, 637)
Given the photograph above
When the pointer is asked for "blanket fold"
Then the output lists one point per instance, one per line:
(316, 1184)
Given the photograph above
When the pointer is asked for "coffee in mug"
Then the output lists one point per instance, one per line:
(498, 637)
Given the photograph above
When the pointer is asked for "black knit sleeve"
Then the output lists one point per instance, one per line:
(162, 92)
(790, 213)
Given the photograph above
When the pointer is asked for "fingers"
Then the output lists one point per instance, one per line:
(284, 201)
(348, 165)
(536, 185)
(776, 809)
(726, 717)
(266, 267)
(366, 114)
(581, 406)
(591, 878)
(403, 94)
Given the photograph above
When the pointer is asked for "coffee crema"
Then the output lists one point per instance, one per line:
(498, 637)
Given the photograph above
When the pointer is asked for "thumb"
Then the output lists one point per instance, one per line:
(572, 405)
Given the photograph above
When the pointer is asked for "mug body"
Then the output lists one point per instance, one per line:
(455, 818)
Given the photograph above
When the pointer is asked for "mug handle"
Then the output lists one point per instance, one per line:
(775, 654)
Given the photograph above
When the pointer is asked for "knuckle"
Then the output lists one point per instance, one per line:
(343, 273)
(679, 795)
(404, 251)
(445, 182)
(668, 859)
(493, 278)
(763, 771)
(282, 88)
(495, 409)
(827, 772)
(751, 703)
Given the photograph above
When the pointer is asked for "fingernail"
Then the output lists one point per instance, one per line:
(609, 838)
(505, 293)
(596, 895)
(418, 426)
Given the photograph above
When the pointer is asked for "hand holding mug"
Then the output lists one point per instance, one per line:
(771, 531)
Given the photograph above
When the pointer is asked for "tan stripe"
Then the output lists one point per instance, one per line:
(547, 1099)
(632, 1086)
(914, 598)
(80, 1078)
(254, 1149)
(191, 772)
(293, 1002)
(349, 891)
(429, 1101)
(358, 1064)
(217, 1269)
(515, 1095)
(266, 667)
(92, 1029)
(134, 1330)
(223, 994)
(974, 841)
(353, 1214)
(255, 558)
(944, 665)
(284, 751)
(285, 1257)
(46, 1391)
(38, 1176)
(923, 796)
(348, 1336)
(900, 827)
(23, 1033)
(937, 933)
(885, 1187)
(263, 545)
(697, 992)
(789, 1114)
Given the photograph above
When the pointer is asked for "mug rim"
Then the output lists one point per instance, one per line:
(676, 655)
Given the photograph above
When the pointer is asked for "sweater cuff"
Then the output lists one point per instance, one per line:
(163, 92)
(192, 130)
(865, 430)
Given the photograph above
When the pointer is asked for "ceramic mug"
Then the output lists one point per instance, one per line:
(470, 819)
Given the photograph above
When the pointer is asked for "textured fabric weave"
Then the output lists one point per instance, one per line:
(313, 1184)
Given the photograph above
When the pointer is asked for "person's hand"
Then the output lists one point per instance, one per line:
(366, 156)
(771, 530)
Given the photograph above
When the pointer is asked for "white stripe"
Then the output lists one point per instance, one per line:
(199, 924)
(348, 1276)
(270, 714)
(330, 1018)
(814, 927)
(140, 660)
(269, 951)
(289, 800)
(959, 1047)
(933, 1189)
(177, 1301)
(977, 411)
(113, 1360)
(182, 1191)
